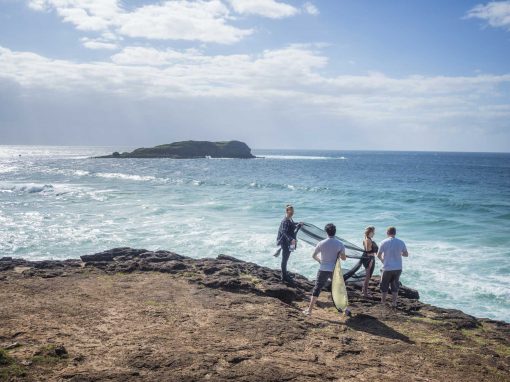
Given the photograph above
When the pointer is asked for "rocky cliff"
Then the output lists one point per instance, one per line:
(190, 150)
(131, 315)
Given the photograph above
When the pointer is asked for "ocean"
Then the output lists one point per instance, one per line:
(451, 209)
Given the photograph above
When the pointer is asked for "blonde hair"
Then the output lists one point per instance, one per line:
(369, 229)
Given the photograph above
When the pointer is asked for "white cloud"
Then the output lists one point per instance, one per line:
(98, 44)
(199, 20)
(37, 5)
(495, 13)
(267, 8)
(137, 55)
(86, 15)
(182, 20)
(290, 75)
(310, 8)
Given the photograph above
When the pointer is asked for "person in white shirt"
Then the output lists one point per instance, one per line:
(390, 253)
(330, 250)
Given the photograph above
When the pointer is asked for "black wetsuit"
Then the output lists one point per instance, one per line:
(286, 233)
(369, 261)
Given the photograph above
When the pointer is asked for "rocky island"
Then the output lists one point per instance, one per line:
(190, 150)
(135, 315)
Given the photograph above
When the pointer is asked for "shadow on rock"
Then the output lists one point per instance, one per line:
(370, 324)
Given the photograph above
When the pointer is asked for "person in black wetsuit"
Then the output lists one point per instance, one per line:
(286, 239)
(368, 258)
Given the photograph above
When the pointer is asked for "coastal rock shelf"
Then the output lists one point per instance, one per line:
(190, 150)
(130, 314)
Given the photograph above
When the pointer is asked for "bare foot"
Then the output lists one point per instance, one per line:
(307, 312)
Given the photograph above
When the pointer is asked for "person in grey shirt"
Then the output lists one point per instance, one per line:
(330, 250)
(390, 253)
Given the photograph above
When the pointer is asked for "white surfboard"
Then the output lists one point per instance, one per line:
(338, 291)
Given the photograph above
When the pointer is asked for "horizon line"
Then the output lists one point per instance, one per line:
(289, 149)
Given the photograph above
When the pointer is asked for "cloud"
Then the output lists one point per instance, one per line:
(495, 13)
(200, 20)
(293, 74)
(267, 8)
(85, 15)
(182, 20)
(310, 9)
(98, 44)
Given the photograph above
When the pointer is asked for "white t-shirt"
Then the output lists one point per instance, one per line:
(329, 249)
(392, 249)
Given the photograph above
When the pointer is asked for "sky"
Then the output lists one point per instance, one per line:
(320, 74)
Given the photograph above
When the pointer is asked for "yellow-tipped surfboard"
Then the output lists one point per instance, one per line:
(338, 291)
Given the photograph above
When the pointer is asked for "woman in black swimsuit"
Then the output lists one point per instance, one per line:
(368, 258)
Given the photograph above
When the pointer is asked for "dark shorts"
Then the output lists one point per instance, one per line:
(390, 278)
(322, 279)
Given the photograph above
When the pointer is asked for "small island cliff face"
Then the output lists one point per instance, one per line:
(190, 150)
(136, 315)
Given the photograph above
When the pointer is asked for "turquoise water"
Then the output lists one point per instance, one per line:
(453, 210)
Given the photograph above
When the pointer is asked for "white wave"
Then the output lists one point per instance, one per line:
(4, 169)
(118, 175)
(81, 172)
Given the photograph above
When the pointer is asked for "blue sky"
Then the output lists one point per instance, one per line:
(392, 75)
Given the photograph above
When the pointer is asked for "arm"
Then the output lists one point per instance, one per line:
(297, 226)
(404, 252)
(380, 253)
(315, 253)
(341, 254)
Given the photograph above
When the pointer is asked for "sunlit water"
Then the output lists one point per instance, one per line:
(453, 210)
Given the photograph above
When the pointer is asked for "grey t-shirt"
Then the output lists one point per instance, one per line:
(392, 249)
(329, 249)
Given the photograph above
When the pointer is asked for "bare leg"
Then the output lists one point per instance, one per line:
(313, 300)
(367, 279)
(394, 299)
(383, 297)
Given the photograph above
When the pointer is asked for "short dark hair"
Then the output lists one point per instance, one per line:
(330, 229)
(391, 231)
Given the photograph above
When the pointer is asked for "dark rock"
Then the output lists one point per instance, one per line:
(61, 351)
(407, 292)
(283, 293)
(55, 351)
(48, 264)
(112, 254)
(229, 258)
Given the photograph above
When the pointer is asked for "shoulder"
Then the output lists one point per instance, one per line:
(339, 243)
(384, 242)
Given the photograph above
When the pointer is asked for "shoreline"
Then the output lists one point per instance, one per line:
(130, 314)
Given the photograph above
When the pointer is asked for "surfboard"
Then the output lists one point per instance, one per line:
(338, 291)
